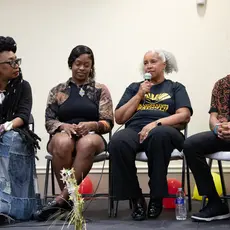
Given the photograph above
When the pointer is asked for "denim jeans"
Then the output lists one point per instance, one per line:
(17, 165)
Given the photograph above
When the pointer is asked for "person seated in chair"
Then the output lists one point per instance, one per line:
(77, 114)
(153, 113)
(198, 145)
(17, 142)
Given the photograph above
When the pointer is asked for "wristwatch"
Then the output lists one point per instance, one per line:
(158, 123)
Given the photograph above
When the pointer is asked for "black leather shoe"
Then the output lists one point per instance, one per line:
(139, 209)
(50, 209)
(155, 208)
(3, 219)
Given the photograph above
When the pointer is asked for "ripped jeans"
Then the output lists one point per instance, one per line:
(17, 165)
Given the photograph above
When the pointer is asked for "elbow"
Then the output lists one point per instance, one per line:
(186, 118)
(118, 118)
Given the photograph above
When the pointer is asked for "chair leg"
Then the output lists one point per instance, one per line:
(183, 175)
(130, 204)
(46, 181)
(52, 180)
(222, 181)
(111, 206)
(116, 208)
(188, 187)
(111, 201)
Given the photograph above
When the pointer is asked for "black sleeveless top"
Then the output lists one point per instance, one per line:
(77, 108)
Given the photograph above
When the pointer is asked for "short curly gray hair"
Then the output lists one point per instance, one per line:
(168, 58)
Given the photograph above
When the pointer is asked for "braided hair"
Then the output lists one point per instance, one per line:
(12, 98)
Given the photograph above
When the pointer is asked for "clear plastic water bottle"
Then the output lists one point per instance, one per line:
(181, 209)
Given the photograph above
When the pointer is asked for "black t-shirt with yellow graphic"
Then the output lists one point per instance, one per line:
(162, 101)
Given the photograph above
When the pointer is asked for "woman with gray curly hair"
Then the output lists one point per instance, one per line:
(153, 112)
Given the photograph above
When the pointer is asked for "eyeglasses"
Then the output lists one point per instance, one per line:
(13, 63)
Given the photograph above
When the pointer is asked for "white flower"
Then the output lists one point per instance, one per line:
(68, 178)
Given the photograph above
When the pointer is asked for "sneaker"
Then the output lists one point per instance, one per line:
(3, 219)
(212, 212)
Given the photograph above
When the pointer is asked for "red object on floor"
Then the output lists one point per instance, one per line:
(86, 186)
(173, 185)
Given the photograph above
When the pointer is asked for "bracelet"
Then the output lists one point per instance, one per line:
(215, 130)
(8, 125)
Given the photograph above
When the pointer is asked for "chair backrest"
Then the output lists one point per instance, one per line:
(31, 122)
(31, 127)
(219, 156)
(104, 155)
(176, 154)
(186, 131)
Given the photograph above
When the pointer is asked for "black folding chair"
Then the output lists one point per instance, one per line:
(141, 156)
(98, 158)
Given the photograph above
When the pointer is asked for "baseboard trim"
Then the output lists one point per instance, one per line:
(140, 169)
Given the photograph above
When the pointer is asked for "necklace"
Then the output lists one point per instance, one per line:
(81, 92)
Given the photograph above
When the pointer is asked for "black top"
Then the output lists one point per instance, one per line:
(24, 106)
(77, 108)
(163, 100)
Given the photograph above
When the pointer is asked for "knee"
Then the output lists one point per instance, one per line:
(118, 137)
(61, 147)
(118, 140)
(188, 147)
(160, 132)
(86, 148)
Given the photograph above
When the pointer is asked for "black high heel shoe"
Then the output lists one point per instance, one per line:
(51, 208)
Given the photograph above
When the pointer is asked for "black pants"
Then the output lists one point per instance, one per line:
(195, 148)
(158, 146)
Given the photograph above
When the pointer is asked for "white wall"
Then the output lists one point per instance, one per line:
(119, 32)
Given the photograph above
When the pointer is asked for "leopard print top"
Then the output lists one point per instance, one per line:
(220, 101)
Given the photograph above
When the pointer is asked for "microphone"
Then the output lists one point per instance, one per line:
(147, 76)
